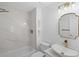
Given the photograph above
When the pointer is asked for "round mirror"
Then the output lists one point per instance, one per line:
(68, 26)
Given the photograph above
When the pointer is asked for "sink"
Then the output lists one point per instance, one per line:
(63, 51)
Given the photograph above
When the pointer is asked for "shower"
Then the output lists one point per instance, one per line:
(3, 10)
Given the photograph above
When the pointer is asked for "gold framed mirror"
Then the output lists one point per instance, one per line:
(68, 26)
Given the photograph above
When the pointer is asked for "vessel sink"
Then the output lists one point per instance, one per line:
(64, 52)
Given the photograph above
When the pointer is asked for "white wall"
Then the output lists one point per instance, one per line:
(32, 26)
(49, 30)
(49, 25)
(13, 30)
(38, 25)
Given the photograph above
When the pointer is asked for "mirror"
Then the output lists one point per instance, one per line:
(68, 26)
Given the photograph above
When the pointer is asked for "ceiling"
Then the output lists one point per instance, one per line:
(24, 6)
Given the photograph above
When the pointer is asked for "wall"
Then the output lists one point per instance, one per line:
(49, 24)
(49, 27)
(34, 21)
(13, 30)
(32, 26)
(74, 43)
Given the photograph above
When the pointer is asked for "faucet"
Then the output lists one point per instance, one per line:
(66, 43)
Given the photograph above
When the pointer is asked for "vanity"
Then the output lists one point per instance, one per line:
(68, 28)
(61, 51)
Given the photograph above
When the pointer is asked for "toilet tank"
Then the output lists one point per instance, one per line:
(44, 45)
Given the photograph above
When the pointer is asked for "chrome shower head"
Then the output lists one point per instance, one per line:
(3, 10)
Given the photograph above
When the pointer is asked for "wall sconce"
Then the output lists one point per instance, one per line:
(66, 5)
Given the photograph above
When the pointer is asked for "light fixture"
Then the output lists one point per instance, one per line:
(66, 5)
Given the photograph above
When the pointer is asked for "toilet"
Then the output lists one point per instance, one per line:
(43, 46)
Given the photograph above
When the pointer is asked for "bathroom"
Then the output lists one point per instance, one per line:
(28, 29)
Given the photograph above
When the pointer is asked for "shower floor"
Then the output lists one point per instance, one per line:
(21, 52)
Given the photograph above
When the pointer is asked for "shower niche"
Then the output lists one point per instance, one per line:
(68, 26)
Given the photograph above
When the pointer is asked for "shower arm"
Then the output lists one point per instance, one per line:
(3, 10)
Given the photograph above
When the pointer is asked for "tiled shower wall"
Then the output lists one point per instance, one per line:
(13, 30)
(32, 28)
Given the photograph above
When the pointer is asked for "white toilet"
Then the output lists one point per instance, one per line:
(43, 46)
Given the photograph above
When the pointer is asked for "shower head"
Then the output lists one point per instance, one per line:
(3, 10)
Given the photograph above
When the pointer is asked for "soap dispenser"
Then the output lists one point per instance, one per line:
(66, 43)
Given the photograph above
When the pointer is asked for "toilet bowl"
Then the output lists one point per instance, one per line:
(43, 46)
